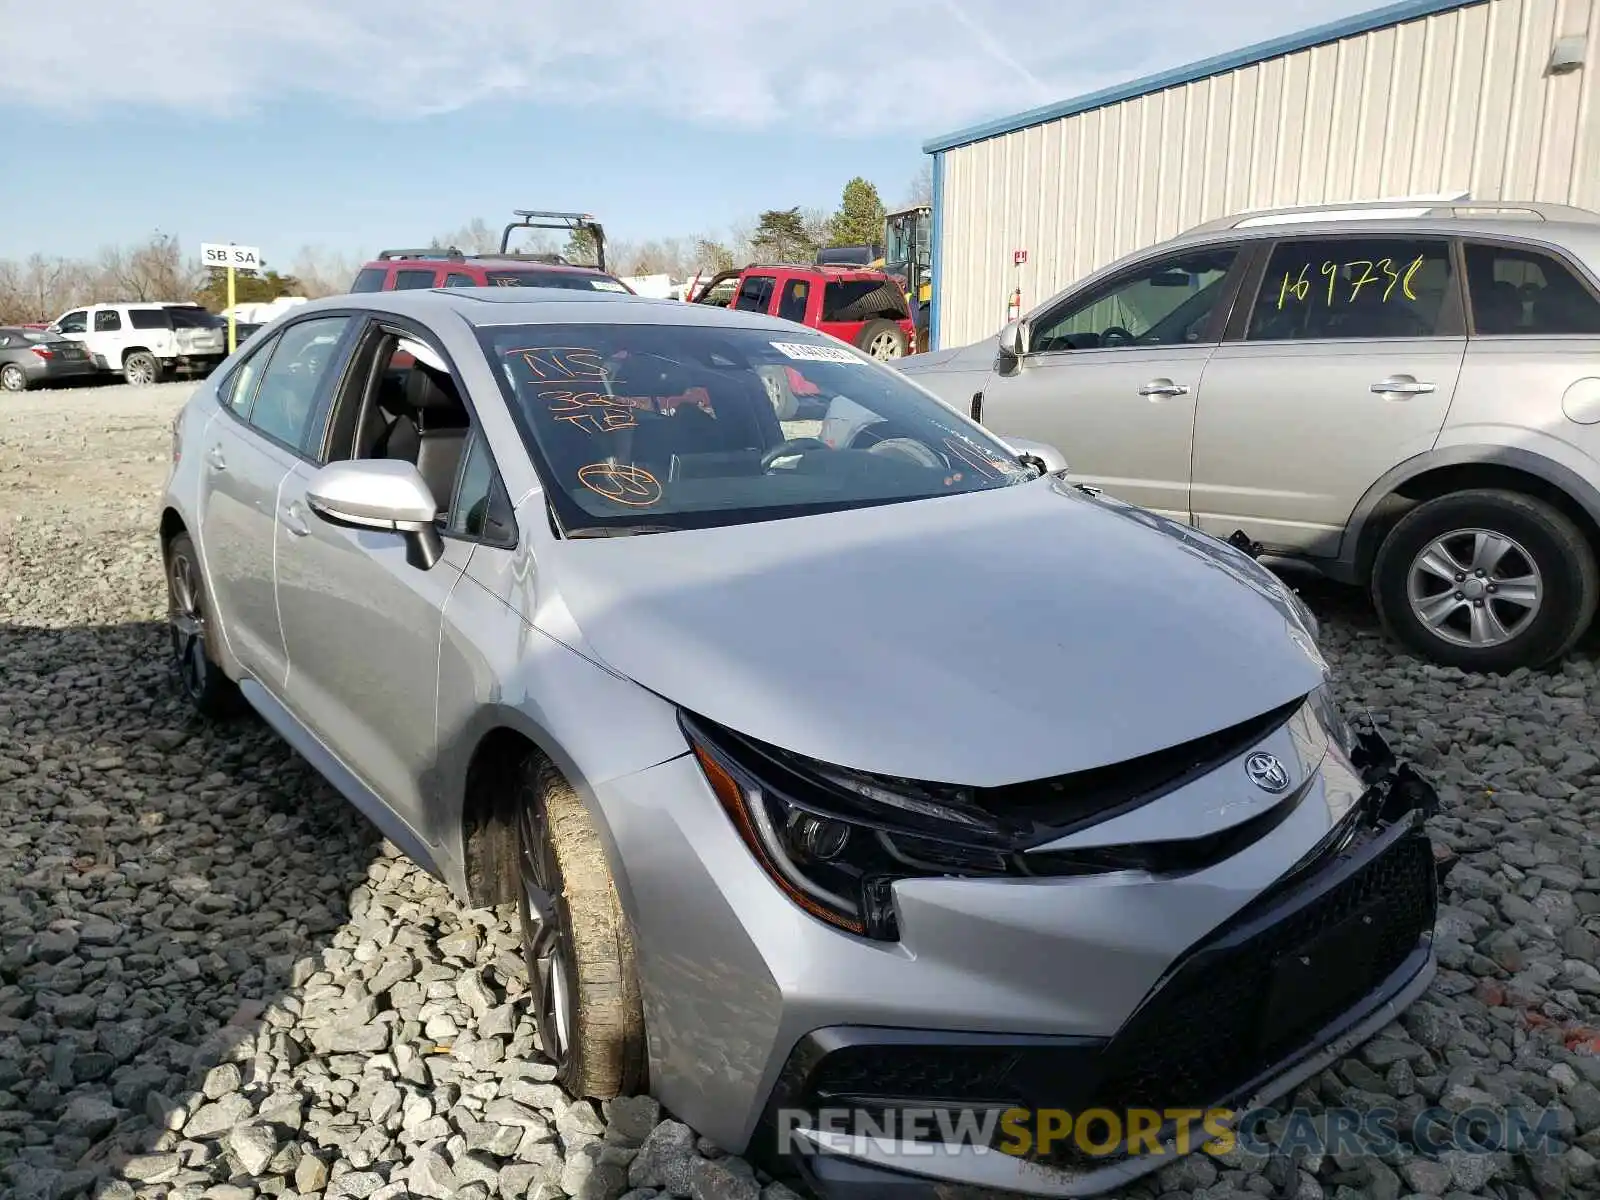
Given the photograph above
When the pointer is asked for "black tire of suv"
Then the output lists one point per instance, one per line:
(1565, 561)
(151, 363)
(209, 690)
(868, 334)
(606, 1056)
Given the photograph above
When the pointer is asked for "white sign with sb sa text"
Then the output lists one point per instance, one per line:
(241, 258)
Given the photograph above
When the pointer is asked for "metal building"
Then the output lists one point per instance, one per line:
(1499, 99)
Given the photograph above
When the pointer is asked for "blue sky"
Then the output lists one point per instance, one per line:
(353, 124)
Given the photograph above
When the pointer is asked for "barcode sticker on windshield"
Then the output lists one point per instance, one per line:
(605, 285)
(806, 352)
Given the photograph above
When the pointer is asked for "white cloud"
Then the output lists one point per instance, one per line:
(849, 67)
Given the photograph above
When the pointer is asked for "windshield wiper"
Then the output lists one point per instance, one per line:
(595, 531)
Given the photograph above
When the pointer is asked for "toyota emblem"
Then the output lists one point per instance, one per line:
(1266, 772)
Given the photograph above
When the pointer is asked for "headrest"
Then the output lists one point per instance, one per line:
(430, 389)
(651, 375)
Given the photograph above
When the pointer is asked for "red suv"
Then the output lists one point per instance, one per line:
(397, 270)
(854, 304)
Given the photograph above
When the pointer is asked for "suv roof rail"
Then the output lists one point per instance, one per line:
(446, 252)
(1398, 207)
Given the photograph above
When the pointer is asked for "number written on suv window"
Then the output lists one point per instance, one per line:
(1352, 288)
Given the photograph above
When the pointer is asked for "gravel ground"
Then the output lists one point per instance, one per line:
(216, 981)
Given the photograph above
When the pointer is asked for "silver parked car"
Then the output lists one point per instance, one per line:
(1400, 395)
(856, 763)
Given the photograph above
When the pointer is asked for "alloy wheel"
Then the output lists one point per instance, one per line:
(12, 378)
(884, 347)
(1474, 587)
(187, 621)
(546, 941)
(138, 371)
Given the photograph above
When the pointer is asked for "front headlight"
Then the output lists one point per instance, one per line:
(835, 840)
(1340, 732)
(1307, 617)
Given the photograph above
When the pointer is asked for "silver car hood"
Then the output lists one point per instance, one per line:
(981, 639)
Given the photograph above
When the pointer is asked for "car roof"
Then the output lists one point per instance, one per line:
(826, 270)
(482, 307)
(1575, 234)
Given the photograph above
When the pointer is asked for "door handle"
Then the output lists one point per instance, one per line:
(294, 520)
(1164, 387)
(1401, 385)
(214, 457)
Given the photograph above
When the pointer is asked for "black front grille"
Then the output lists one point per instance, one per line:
(1236, 1007)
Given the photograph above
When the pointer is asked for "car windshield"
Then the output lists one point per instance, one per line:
(571, 280)
(663, 426)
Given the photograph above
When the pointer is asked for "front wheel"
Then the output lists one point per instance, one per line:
(141, 369)
(13, 378)
(577, 941)
(1486, 580)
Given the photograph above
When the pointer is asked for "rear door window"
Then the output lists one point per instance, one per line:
(455, 280)
(755, 294)
(107, 320)
(1517, 292)
(148, 318)
(404, 280)
(1355, 288)
(792, 304)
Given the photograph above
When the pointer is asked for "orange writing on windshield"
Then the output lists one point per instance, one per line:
(1357, 275)
(564, 363)
(593, 412)
(622, 483)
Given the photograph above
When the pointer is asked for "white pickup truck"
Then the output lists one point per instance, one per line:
(144, 343)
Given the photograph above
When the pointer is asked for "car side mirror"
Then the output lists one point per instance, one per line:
(1013, 344)
(384, 494)
(1042, 456)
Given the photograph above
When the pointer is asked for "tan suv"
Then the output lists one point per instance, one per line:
(1404, 395)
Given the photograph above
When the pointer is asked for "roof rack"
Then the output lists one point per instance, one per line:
(435, 252)
(534, 218)
(1398, 208)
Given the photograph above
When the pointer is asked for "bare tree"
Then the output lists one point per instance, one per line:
(921, 190)
(156, 270)
(323, 273)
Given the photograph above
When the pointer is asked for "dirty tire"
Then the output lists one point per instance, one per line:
(1558, 549)
(141, 368)
(208, 689)
(606, 1056)
(13, 378)
(886, 332)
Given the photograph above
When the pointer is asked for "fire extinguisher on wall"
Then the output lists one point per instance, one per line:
(1014, 306)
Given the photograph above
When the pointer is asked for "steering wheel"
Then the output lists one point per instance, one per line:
(1115, 335)
(791, 446)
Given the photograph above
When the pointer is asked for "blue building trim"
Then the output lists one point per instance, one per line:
(1393, 14)
(938, 253)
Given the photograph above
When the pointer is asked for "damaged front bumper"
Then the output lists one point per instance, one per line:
(1311, 968)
